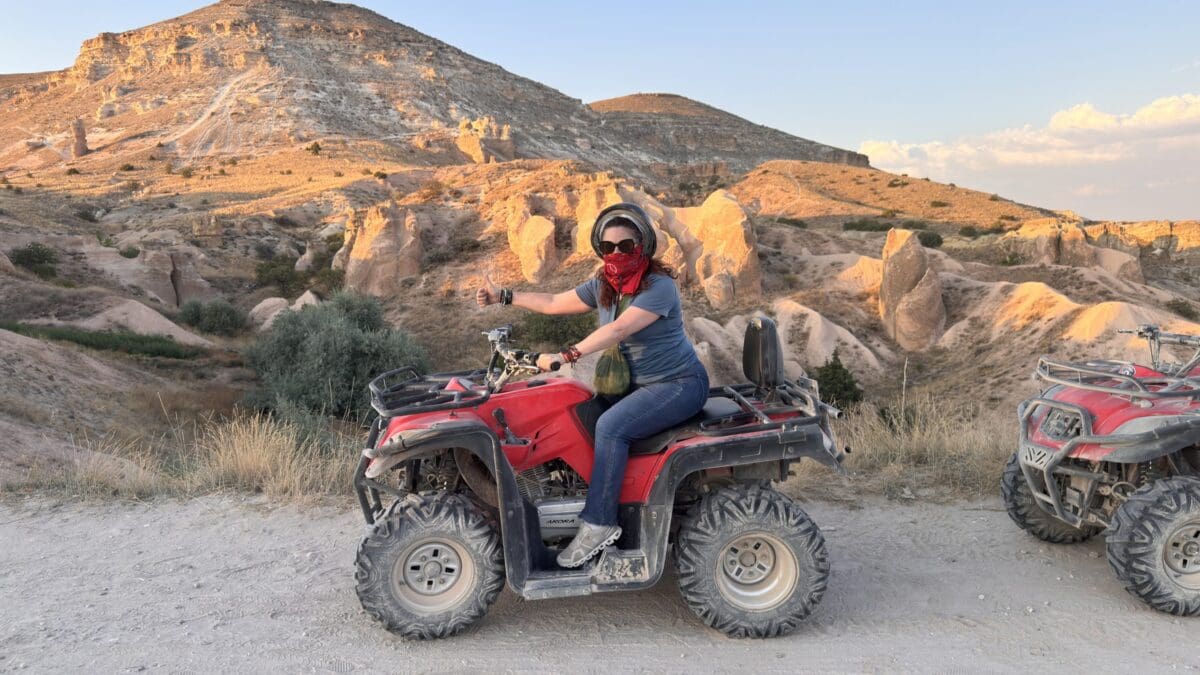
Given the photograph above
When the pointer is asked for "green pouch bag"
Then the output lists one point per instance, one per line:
(612, 370)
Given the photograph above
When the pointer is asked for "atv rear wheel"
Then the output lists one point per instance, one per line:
(1155, 545)
(430, 567)
(1022, 507)
(751, 562)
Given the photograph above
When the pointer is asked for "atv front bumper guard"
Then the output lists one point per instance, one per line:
(1041, 464)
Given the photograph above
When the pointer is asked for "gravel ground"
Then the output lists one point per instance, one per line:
(223, 584)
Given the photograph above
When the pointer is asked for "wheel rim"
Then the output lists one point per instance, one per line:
(1182, 555)
(433, 575)
(756, 572)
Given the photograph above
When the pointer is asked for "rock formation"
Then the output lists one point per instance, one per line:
(910, 293)
(385, 249)
(725, 258)
(135, 317)
(1050, 241)
(264, 313)
(6, 266)
(485, 141)
(79, 146)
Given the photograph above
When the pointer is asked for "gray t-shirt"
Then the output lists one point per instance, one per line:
(659, 351)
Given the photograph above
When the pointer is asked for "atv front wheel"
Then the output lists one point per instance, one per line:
(1155, 545)
(751, 562)
(1022, 507)
(430, 567)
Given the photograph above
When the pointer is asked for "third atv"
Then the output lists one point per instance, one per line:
(1114, 447)
(472, 479)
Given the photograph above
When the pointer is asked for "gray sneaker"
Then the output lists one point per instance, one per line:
(588, 541)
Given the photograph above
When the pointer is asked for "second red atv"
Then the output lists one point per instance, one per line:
(1113, 447)
(473, 479)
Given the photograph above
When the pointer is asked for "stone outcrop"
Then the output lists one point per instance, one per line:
(1050, 241)
(725, 258)
(306, 299)
(485, 141)
(910, 293)
(135, 317)
(79, 146)
(1152, 240)
(6, 266)
(385, 248)
(264, 313)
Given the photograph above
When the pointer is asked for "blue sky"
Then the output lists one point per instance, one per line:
(957, 91)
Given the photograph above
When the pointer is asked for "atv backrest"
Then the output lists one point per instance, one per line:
(762, 355)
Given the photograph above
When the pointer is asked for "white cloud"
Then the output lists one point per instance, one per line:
(1083, 158)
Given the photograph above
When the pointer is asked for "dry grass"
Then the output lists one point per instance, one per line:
(939, 449)
(250, 452)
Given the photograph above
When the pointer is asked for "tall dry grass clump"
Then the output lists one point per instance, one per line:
(957, 449)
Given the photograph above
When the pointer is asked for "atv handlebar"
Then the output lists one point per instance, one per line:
(1152, 332)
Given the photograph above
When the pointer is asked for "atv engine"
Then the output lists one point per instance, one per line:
(559, 494)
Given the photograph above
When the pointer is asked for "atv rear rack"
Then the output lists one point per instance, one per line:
(1115, 377)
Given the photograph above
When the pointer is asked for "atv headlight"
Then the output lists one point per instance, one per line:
(1143, 424)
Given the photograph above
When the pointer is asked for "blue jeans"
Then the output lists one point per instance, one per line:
(643, 412)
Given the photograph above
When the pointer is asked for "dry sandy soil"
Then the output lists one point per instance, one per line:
(218, 585)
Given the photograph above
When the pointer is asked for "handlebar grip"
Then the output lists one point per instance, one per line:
(556, 365)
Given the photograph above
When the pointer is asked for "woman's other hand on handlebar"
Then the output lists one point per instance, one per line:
(548, 362)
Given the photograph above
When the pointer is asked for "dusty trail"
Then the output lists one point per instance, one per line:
(220, 584)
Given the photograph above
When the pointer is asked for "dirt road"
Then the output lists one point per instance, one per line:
(221, 585)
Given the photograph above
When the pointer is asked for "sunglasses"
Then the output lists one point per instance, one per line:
(624, 246)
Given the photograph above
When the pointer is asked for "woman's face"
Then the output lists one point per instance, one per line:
(617, 233)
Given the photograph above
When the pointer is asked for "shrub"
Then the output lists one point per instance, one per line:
(866, 225)
(897, 183)
(338, 174)
(939, 204)
(72, 171)
(968, 231)
(279, 271)
(836, 382)
(130, 252)
(133, 186)
(432, 189)
(994, 198)
(186, 172)
(321, 358)
(1011, 258)
(263, 250)
(1011, 219)
(888, 213)
(556, 330)
(191, 312)
(32, 255)
(105, 240)
(381, 175)
(127, 167)
(913, 225)
(132, 343)
(929, 239)
(457, 248)
(315, 148)
(217, 317)
(1183, 308)
(794, 222)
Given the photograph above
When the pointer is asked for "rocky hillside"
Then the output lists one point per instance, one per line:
(246, 77)
(267, 152)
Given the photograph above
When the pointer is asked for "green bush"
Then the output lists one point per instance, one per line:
(279, 271)
(216, 318)
(1183, 308)
(130, 252)
(866, 225)
(127, 167)
(929, 239)
(322, 357)
(315, 148)
(130, 343)
(836, 382)
(913, 225)
(939, 204)
(557, 330)
(968, 231)
(33, 255)
(794, 222)
(86, 214)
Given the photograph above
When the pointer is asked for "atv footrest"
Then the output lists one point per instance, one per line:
(558, 584)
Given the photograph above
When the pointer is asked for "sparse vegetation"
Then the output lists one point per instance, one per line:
(381, 175)
(133, 185)
(279, 271)
(186, 172)
(314, 149)
(130, 252)
(119, 341)
(105, 240)
(794, 222)
(320, 359)
(937, 204)
(457, 248)
(913, 225)
(217, 317)
(1183, 308)
(929, 239)
(432, 189)
(994, 198)
(1009, 218)
(72, 171)
(888, 213)
(127, 167)
(37, 258)
(556, 330)
(968, 231)
(897, 183)
(866, 225)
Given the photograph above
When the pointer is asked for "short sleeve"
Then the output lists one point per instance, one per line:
(660, 296)
(587, 292)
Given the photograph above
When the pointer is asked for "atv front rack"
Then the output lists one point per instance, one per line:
(1115, 377)
(404, 391)
(1043, 465)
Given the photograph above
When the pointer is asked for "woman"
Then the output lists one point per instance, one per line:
(669, 384)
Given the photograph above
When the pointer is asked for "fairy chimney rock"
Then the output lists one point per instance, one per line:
(910, 294)
(79, 147)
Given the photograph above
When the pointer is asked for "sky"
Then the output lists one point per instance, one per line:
(1088, 106)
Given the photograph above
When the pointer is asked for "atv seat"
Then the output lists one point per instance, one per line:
(714, 408)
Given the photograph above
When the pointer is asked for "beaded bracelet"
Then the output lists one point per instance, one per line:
(571, 354)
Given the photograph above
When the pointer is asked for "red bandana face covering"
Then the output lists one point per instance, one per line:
(624, 271)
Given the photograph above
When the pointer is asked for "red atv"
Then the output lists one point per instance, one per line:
(472, 478)
(1113, 447)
